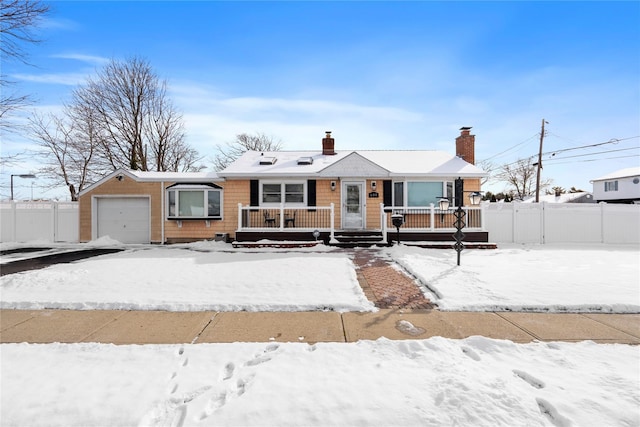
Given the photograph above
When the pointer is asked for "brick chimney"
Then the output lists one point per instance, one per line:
(465, 145)
(328, 145)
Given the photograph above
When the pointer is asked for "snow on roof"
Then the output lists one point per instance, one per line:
(563, 198)
(622, 173)
(397, 163)
(174, 176)
(152, 176)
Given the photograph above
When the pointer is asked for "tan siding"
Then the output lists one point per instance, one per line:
(126, 187)
(470, 185)
(373, 204)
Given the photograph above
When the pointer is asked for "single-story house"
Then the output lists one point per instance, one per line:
(326, 194)
(622, 186)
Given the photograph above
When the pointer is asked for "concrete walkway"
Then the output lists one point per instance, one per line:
(154, 327)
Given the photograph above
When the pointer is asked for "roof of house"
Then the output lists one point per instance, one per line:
(359, 163)
(152, 176)
(622, 173)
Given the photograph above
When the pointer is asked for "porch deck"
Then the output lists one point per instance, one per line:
(421, 224)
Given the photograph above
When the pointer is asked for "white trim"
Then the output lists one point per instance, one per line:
(282, 183)
(363, 203)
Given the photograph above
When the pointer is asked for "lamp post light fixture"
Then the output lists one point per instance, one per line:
(459, 214)
(21, 175)
(443, 204)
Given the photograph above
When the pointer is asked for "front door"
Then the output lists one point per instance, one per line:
(352, 205)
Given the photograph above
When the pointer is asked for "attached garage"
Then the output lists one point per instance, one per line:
(125, 219)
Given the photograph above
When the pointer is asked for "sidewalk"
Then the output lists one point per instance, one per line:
(154, 327)
(404, 313)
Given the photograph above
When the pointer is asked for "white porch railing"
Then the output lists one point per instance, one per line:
(322, 218)
(287, 218)
(431, 219)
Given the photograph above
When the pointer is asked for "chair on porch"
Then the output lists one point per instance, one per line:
(269, 220)
(290, 219)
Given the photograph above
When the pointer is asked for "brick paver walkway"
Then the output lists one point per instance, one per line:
(386, 286)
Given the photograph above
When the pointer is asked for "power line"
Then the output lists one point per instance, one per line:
(592, 154)
(611, 141)
(596, 160)
(510, 148)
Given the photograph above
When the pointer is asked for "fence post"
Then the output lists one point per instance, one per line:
(383, 223)
(543, 223)
(14, 233)
(56, 221)
(333, 228)
(281, 216)
(239, 216)
(602, 227)
(432, 221)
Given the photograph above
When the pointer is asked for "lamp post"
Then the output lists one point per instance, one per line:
(22, 175)
(459, 214)
(397, 220)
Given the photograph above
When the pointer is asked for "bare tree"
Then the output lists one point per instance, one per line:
(134, 115)
(168, 147)
(244, 142)
(489, 168)
(521, 178)
(69, 148)
(18, 18)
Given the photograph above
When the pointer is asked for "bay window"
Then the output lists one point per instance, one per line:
(194, 201)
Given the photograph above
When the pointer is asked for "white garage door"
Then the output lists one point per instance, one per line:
(125, 219)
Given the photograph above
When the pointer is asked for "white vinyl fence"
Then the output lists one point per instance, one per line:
(505, 222)
(562, 223)
(39, 221)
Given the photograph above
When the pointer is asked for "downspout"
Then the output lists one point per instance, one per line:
(162, 211)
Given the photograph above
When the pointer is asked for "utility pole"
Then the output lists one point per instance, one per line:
(539, 163)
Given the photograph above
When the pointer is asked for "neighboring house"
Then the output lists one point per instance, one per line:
(289, 195)
(622, 186)
(579, 197)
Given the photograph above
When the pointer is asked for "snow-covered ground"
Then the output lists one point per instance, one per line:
(214, 276)
(189, 279)
(435, 382)
(585, 278)
(472, 382)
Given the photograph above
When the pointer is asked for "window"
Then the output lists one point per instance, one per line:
(398, 194)
(294, 192)
(421, 193)
(611, 186)
(271, 193)
(194, 201)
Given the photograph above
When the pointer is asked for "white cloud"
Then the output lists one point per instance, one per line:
(67, 79)
(91, 59)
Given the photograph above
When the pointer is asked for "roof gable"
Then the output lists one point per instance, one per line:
(354, 165)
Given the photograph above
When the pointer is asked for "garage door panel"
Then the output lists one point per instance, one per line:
(125, 219)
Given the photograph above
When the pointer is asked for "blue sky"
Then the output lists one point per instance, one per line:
(380, 75)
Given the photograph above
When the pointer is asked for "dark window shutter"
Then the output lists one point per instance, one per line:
(311, 192)
(386, 193)
(254, 190)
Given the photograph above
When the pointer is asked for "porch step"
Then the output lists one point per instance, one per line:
(352, 239)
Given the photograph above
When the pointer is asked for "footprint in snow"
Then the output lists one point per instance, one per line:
(549, 411)
(228, 371)
(472, 354)
(530, 379)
